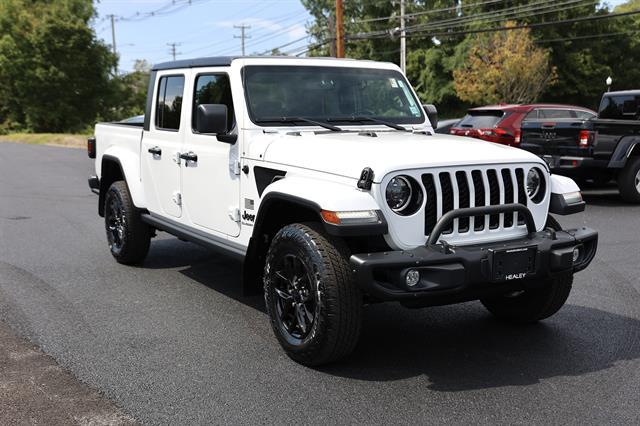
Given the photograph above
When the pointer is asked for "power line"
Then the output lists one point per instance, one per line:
(427, 12)
(513, 12)
(429, 33)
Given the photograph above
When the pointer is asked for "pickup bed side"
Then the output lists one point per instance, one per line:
(118, 157)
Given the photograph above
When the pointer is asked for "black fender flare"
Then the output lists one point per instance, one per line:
(258, 244)
(105, 183)
(626, 145)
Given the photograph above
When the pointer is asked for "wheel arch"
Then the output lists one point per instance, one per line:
(628, 146)
(116, 167)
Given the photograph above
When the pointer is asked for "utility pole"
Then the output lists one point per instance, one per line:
(332, 36)
(173, 49)
(113, 42)
(403, 39)
(339, 30)
(242, 35)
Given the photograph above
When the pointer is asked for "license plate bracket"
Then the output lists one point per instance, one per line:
(514, 263)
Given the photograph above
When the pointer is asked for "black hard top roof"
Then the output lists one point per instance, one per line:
(216, 61)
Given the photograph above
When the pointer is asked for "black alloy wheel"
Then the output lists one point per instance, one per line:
(297, 303)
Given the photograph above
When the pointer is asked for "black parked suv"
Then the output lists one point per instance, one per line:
(601, 148)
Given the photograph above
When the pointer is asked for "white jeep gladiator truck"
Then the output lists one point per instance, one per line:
(326, 178)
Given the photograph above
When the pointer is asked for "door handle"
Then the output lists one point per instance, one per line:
(189, 156)
(155, 150)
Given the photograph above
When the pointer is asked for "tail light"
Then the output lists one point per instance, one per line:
(495, 135)
(517, 137)
(584, 138)
(91, 147)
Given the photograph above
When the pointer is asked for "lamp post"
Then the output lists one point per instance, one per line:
(609, 80)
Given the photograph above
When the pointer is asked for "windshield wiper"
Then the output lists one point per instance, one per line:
(294, 120)
(371, 120)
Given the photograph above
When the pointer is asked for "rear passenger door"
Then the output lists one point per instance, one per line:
(161, 146)
(211, 184)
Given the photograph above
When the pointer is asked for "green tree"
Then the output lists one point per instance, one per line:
(54, 73)
(504, 66)
(128, 94)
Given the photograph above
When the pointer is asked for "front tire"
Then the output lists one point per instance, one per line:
(535, 304)
(314, 305)
(629, 181)
(128, 236)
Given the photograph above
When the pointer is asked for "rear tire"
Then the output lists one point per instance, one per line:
(128, 236)
(629, 181)
(313, 302)
(535, 304)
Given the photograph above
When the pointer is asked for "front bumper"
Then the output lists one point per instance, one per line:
(451, 274)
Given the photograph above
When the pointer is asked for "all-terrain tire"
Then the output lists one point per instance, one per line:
(128, 236)
(335, 328)
(629, 181)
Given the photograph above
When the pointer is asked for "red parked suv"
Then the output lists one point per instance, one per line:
(501, 123)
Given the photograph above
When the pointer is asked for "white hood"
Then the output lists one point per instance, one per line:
(346, 154)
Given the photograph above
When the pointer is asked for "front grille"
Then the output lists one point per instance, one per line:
(449, 190)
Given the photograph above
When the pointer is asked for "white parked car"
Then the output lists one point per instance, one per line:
(325, 176)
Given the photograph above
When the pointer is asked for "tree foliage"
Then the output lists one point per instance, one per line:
(505, 66)
(54, 72)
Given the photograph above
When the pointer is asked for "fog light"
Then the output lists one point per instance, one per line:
(412, 278)
(576, 254)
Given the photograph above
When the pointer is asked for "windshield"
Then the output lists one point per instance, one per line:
(329, 94)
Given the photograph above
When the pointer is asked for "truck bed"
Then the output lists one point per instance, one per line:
(122, 136)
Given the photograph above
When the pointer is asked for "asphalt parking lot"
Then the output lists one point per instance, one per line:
(174, 341)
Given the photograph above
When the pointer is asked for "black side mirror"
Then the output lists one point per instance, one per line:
(432, 114)
(211, 119)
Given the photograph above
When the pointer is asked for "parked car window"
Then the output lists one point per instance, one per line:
(620, 106)
(169, 102)
(555, 113)
(532, 115)
(481, 119)
(213, 89)
(584, 115)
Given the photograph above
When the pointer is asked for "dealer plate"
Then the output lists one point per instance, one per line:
(514, 263)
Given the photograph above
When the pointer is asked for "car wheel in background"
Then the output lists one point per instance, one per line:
(629, 181)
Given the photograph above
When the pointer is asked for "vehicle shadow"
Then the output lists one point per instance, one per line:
(462, 347)
(218, 272)
(459, 347)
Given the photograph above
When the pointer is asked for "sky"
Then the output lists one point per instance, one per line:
(202, 28)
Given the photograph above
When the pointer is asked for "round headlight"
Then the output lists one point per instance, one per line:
(399, 193)
(534, 183)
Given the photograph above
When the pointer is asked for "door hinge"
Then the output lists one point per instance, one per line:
(177, 198)
(234, 214)
(236, 168)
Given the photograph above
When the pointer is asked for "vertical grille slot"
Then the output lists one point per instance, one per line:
(431, 209)
(508, 195)
(463, 199)
(480, 200)
(522, 193)
(494, 197)
(447, 197)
